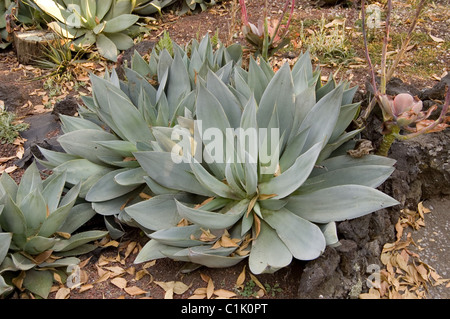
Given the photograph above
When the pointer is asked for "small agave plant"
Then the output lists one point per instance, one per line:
(105, 23)
(116, 122)
(240, 201)
(37, 219)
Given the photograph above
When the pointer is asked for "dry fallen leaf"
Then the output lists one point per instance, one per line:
(62, 293)
(224, 293)
(209, 289)
(240, 280)
(119, 282)
(134, 291)
(86, 287)
(436, 39)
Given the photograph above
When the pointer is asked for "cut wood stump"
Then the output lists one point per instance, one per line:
(29, 45)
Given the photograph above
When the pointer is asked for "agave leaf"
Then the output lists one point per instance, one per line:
(106, 188)
(122, 148)
(56, 158)
(82, 143)
(178, 84)
(17, 262)
(77, 217)
(331, 147)
(30, 180)
(115, 206)
(233, 180)
(322, 118)
(114, 228)
(8, 186)
(303, 239)
(279, 92)
(257, 79)
(304, 102)
(80, 170)
(53, 188)
(293, 150)
(139, 65)
(225, 97)
(162, 169)
(152, 250)
(12, 218)
(5, 289)
(66, 31)
(120, 23)
(327, 88)
(158, 189)
(54, 221)
(34, 209)
(291, 179)
(72, 123)
(224, 219)
(89, 8)
(127, 117)
(121, 40)
(63, 262)
(78, 240)
(303, 63)
(366, 175)
(211, 183)
(137, 82)
(131, 177)
(157, 213)
(330, 233)
(38, 282)
(198, 255)
(102, 8)
(38, 244)
(53, 9)
(268, 253)
(346, 115)
(178, 236)
(106, 47)
(5, 240)
(343, 202)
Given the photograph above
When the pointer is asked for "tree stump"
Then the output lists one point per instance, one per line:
(29, 45)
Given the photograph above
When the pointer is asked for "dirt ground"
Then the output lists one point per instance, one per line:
(109, 271)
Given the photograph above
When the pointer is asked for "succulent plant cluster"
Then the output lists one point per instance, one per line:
(118, 119)
(105, 23)
(37, 224)
(133, 152)
(222, 210)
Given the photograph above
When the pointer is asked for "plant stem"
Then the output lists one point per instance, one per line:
(388, 140)
(383, 80)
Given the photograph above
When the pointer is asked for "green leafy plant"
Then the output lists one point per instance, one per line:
(329, 44)
(60, 60)
(9, 129)
(147, 7)
(116, 121)
(6, 6)
(238, 204)
(37, 219)
(402, 113)
(105, 23)
(268, 36)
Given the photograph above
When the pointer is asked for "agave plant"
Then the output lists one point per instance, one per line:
(104, 23)
(242, 201)
(5, 11)
(147, 7)
(37, 219)
(117, 121)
